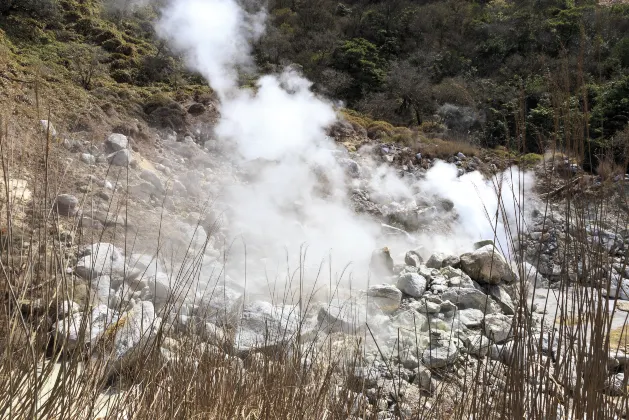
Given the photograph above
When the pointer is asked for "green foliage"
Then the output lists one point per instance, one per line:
(360, 59)
(611, 112)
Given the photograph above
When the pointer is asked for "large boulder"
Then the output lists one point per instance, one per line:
(412, 284)
(487, 265)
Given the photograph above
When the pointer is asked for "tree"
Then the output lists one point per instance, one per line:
(360, 59)
(86, 61)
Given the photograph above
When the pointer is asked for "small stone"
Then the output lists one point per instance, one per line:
(66, 205)
(88, 159)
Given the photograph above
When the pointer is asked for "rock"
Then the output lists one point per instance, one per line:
(48, 128)
(478, 345)
(471, 318)
(470, 299)
(75, 331)
(487, 265)
(412, 284)
(65, 308)
(347, 317)
(614, 384)
(424, 379)
(120, 158)
(101, 291)
(67, 205)
(196, 109)
(221, 305)
(131, 334)
(498, 327)
(387, 297)
(451, 261)
(426, 306)
(503, 298)
(351, 167)
(116, 142)
(413, 259)
(437, 260)
(88, 159)
(481, 244)
(152, 178)
(441, 354)
(101, 259)
(381, 262)
(264, 326)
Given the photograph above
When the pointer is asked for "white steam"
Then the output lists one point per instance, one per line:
(298, 195)
(214, 36)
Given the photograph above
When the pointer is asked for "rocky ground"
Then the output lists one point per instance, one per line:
(428, 323)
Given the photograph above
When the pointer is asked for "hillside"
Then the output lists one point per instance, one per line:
(312, 209)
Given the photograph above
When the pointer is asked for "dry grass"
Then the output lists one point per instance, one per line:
(443, 149)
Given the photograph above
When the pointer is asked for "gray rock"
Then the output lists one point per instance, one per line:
(471, 318)
(152, 178)
(88, 159)
(487, 265)
(425, 306)
(441, 354)
(436, 260)
(48, 128)
(424, 379)
(413, 259)
(483, 243)
(116, 142)
(265, 326)
(478, 345)
(470, 299)
(503, 298)
(67, 205)
(120, 158)
(498, 327)
(381, 263)
(451, 261)
(387, 297)
(101, 258)
(347, 317)
(412, 284)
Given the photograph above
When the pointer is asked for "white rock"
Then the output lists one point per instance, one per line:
(478, 345)
(88, 159)
(101, 259)
(116, 142)
(440, 354)
(412, 284)
(152, 178)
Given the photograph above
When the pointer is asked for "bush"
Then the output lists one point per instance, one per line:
(379, 129)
